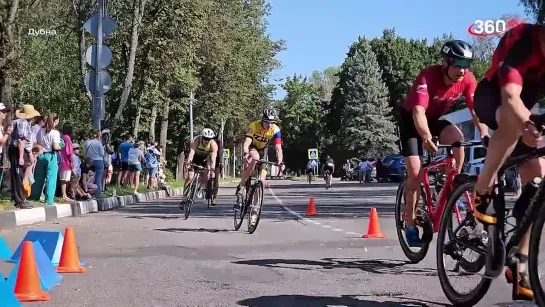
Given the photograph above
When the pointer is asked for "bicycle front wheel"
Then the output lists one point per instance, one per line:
(447, 245)
(191, 196)
(533, 261)
(255, 207)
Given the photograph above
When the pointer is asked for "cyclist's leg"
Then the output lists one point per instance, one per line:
(490, 112)
(528, 171)
(187, 183)
(205, 175)
(248, 168)
(448, 134)
(411, 149)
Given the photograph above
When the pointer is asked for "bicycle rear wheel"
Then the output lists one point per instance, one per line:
(533, 254)
(209, 192)
(191, 196)
(413, 256)
(255, 206)
(444, 243)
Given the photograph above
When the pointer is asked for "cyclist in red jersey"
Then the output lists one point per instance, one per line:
(503, 99)
(435, 90)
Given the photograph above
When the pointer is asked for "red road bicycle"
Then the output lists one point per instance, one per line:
(428, 214)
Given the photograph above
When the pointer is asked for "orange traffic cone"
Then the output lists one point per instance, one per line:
(69, 262)
(27, 283)
(311, 208)
(373, 230)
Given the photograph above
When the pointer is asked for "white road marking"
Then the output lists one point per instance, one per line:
(300, 217)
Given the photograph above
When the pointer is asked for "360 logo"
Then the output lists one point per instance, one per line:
(492, 27)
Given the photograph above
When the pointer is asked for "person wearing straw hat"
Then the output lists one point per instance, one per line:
(20, 156)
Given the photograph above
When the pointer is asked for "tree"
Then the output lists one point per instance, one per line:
(325, 81)
(299, 120)
(366, 129)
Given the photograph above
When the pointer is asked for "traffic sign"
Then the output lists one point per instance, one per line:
(105, 56)
(105, 81)
(313, 154)
(108, 26)
(226, 153)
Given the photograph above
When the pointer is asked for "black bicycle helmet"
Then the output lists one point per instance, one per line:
(457, 49)
(270, 114)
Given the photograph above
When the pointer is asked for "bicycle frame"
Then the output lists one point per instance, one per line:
(435, 215)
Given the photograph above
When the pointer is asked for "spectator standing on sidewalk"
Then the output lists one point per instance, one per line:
(47, 164)
(152, 165)
(94, 152)
(123, 176)
(66, 164)
(136, 156)
(20, 155)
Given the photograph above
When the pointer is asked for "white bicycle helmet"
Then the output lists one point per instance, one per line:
(208, 133)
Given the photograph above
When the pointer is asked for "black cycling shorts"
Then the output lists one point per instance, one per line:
(488, 100)
(201, 160)
(411, 142)
(328, 168)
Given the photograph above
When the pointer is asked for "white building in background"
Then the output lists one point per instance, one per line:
(462, 119)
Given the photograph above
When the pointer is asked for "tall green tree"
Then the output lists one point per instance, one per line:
(366, 126)
(299, 120)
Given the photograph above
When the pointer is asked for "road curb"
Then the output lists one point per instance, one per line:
(21, 217)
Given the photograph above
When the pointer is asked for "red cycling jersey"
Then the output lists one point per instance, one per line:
(518, 59)
(430, 91)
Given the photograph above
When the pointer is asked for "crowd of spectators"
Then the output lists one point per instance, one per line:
(46, 162)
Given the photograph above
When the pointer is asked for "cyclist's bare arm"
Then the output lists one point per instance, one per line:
(483, 129)
(246, 146)
(214, 155)
(279, 153)
(421, 122)
(192, 149)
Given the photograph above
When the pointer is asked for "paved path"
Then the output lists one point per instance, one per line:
(147, 255)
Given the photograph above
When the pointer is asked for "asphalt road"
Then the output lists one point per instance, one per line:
(147, 255)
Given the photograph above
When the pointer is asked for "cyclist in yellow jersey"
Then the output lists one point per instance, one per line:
(258, 136)
(203, 152)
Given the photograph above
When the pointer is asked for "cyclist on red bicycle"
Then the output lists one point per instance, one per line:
(435, 90)
(512, 86)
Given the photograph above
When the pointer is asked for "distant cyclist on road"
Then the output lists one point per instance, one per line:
(311, 165)
(328, 168)
(203, 152)
(435, 90)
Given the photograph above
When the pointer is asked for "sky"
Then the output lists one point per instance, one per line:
(318, 33)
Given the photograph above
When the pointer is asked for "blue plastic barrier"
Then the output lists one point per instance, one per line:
(8, 298)
(51, 242)
(49, 277)
(5, 251)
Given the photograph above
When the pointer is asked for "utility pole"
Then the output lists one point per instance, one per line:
(99, 57)
(191, 100)
(223, 145)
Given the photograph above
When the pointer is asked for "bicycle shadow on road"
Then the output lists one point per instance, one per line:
(311, 301)
(213, 230)
(374, 266)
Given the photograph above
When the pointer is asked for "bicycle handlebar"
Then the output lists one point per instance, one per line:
(265, 162)
(457, 144)
(539, 121)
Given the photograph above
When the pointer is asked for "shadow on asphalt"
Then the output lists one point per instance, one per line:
(311, 301)
(193, 230)
(375, 266)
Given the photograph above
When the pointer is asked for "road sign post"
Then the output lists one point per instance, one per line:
(99, 57)
(226, 153)
(313, 154)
